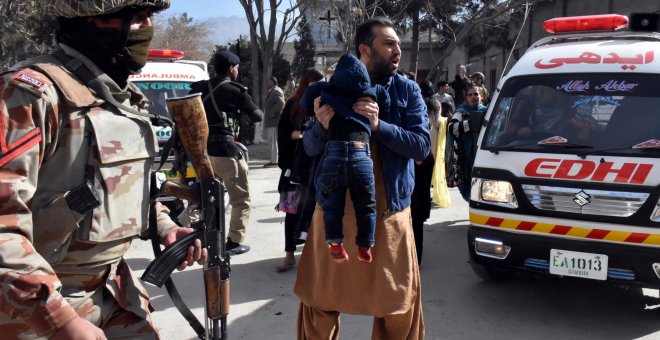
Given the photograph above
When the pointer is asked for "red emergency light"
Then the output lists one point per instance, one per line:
(603, 22)
(165, 54)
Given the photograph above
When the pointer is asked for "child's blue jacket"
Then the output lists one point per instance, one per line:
(402, 137)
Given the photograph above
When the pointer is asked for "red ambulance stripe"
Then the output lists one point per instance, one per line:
(560, 230)
(494, 221)
(526, 226)
(597, 234)
(637, 237)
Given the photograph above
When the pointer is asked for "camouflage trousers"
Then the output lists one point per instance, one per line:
(120, 307)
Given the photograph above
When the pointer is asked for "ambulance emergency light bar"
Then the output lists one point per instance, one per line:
(165, 54)
(602, 22)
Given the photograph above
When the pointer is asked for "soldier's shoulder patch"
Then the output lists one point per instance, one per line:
(31, 80)
(16, 148)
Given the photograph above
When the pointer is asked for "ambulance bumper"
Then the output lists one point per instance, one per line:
(627, 264)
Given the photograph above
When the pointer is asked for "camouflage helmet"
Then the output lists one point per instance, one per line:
(86, 8)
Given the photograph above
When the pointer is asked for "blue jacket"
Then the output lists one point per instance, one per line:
(349, 83)
(402, 137)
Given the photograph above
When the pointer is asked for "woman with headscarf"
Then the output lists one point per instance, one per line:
(465, 126)
(296, 180)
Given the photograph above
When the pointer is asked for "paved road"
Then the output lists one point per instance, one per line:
(457, 305)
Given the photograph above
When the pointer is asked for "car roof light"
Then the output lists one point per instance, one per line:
(165, 54)
(603, 22)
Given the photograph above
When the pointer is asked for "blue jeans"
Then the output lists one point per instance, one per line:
(347, 165)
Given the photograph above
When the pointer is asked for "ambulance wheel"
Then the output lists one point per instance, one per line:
(490, 273)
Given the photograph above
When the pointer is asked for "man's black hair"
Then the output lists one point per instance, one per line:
(314, 74)
(426, 88)
(364, 33)
(447, 109)
(442, 83)
(274, 80)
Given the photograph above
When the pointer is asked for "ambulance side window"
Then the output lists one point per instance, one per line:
(500, 120)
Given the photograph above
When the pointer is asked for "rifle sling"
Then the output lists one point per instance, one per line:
(169, 283)
(167, 149)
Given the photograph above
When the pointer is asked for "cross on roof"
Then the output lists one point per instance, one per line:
(329, 18)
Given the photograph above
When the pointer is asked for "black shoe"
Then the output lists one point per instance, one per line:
(234, 248)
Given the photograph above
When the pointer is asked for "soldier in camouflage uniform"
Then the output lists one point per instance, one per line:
(74, 169)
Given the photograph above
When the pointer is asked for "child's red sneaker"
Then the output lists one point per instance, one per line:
(338, 252)
(364, 254)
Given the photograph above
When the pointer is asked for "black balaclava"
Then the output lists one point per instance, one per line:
(118, 53)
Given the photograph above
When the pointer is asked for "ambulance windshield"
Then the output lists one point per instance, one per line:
(158, 90)
(603, 112)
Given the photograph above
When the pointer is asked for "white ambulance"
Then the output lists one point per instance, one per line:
(167, 75)
(566, 179)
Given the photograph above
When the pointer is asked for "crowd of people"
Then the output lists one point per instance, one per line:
(346, 155)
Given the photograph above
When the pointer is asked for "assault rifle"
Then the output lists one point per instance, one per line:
(208, 193)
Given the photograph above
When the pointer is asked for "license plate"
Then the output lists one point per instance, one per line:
(584, 265)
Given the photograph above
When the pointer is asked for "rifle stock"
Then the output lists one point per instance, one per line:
(189, 193)
(192, 128)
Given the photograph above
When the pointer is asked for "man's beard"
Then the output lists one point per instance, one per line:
(382, 68)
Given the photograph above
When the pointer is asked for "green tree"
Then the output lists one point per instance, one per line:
(305, 50)
(24, 32)
(243, 50)
(281, 70)
(476, 25)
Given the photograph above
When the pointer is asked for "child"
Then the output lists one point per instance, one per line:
(347, 160)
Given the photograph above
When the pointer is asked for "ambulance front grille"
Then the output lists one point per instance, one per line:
(584, 201)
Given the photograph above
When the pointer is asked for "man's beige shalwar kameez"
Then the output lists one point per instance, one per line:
(388, 288)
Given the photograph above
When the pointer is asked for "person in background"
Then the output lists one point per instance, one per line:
(273, 106)
(460, 86)
(297, 170)
(224, 102)
(420, 205)
(389, 288)
(440, 192)
(547, 112)
(78, 145)
(478, 79)
(443, 95)
(408, 74)
(465, 125)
